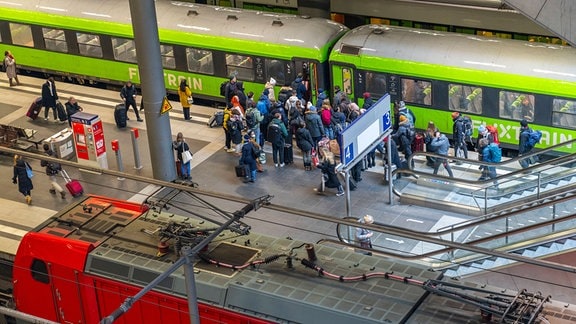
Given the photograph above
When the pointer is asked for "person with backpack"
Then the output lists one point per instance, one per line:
(228, 138)
(185, 96)
(277, 134)
(235, 127)
(326, 117)
(490, 153)
(52, 170)
(230, 90)
(314, 125)
(253, 120)
(459, 134)
(528, 139)
(305, 143)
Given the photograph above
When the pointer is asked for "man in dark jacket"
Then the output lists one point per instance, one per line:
(249, 156)
(49, 97)
(52, 170)
(128, 95)
(314, 124)
(523, 147)
(277, 134)
(459, 136)
(230, 91)
(72, 107)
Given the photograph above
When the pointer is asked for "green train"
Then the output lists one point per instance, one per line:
(93, 40)
(495, 81)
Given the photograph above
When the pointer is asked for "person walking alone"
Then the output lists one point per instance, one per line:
(52, 170)
(20, 177)
(128, 95)
(49, 97)
(364, 235)
(440, 145)
(180, 146)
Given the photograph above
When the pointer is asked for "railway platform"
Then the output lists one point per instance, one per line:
(212, 169)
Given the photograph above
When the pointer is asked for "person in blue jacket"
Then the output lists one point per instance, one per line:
(441, 144)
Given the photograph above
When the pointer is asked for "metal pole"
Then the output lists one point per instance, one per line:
(191, 285)
(119, 162)
(24, 316)
(347, 179)
(390, 181)
(134, 137)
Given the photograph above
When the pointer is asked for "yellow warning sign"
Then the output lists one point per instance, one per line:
(166, 106)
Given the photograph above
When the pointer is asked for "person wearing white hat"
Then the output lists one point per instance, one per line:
(363, 235)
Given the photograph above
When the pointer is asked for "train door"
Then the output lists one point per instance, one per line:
(343, 76)
(308, 71)
(66, 294)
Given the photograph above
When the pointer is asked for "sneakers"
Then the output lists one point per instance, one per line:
(140, 119)
(231, 150)
(52, 191)
(46, 118)
(282, 165)
(340, 194)
(63, 195)
(276, 165)
(28, 199)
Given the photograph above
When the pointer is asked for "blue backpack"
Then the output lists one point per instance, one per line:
(533, 138)
(495, 152)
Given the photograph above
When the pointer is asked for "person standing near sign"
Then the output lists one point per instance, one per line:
(128, 95)
(180, 146)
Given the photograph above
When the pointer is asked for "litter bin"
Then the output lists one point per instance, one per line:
(62, 143)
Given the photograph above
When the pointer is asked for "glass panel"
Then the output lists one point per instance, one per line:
(39, 271)
(167, 53)
(199, 61)
(55, 40)
(124, 50)
(240, 65)
(276, 70)
(375, 84)
(417, 91)
(21, 35)
(465, 98)
(347, 81)
(515, 105)
(89, 45)
(564, 113)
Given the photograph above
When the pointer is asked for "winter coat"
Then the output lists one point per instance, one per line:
(458, 131)
(248, 157)
(183, 95)
(321, 98)
(10, 67)
(49, 94)
(21, 176)
(180, 147)
(303, 140)
(524, 136)
(71, 109)
(314, 124)
(329, 169)
(237, 134)
(299, 86)
(368, 103)
(441, 145)
(128, 93)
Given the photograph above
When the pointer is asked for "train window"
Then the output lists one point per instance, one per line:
(465, 98)
(89, 45)
(276, 69)
(241, 66)
(54, 40)
(375, 84)
(417, 91)
(167, 53)
(564, 113)
(200, 61)
(124, 49)
(21, 35)
(516, 105)
(39, 271)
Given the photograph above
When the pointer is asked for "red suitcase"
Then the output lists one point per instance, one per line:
(35, 108)
(73, 185)
(418, 143)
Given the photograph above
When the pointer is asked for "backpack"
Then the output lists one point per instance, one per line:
(533, 138)
(325, 116)
(467, 127)
(495, 152)
(232, 126)
(274, 133)
(494, 132)
(223, 88)
(409, 115)
(250, 118)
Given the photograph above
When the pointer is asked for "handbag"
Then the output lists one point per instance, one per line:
(29, 172)
(315, 160)
(190, 100)
(186, 157)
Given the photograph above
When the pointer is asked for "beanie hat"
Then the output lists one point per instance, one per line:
(401, 105)
(481, 129)
(524, 123)
(403, 118)
(366, 95)
(247, 137)
(312, 108)
(273, 81)
(320, 90)
(455, 115)
(368, 219)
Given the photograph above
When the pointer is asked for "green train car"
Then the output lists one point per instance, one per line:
(494, 81)
(93, 40)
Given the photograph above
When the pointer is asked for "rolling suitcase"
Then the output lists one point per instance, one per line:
(288, 154)
(418, 143)
(120, 115)
(216, 120)
(61, 112)
(35, 108)
(73, 185)
(241, 170)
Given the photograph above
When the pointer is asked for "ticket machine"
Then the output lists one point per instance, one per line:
(89, 140)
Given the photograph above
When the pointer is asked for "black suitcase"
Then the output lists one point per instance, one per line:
(35, 108)
(61, 112)
(120, 115)
(288, 154)
(216, 120)
(241, 170)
